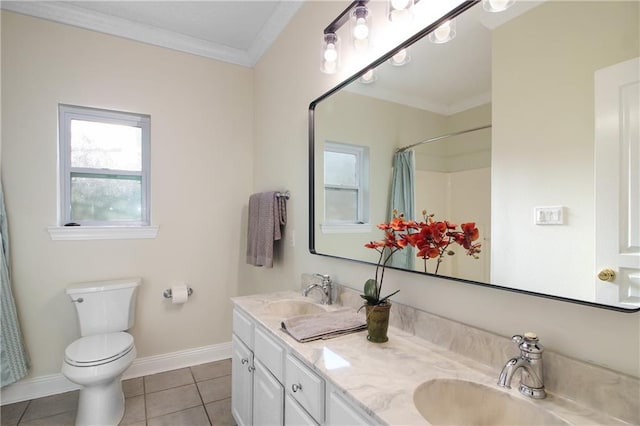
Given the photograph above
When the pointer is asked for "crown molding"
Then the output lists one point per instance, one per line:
(69, 14)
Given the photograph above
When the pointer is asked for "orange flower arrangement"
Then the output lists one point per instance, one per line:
(431, 238)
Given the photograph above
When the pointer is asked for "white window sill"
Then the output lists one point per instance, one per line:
(76, 233)
(351, 228)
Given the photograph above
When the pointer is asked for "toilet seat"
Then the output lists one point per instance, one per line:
(98, 349)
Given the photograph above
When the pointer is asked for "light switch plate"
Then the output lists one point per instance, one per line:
(549, 215)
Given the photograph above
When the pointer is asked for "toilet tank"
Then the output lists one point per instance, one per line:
(105, 306)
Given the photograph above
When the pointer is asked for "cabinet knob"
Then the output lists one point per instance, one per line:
(251, 368)
(296, 387)
(244, 360)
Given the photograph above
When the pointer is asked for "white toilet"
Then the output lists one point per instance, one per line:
(104, 351)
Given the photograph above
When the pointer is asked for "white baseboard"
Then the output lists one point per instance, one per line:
(52, 384)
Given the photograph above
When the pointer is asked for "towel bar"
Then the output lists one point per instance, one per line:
(286, 194)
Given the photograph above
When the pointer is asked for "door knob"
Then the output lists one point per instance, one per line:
(607, 275)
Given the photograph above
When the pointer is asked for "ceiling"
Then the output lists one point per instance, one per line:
(237, 31)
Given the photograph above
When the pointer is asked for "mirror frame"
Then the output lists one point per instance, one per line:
(312, 222)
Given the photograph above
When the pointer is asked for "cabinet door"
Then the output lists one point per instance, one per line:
(294, 414)
(241, 382)
(268, 397)
(342, 413)
(306, 387)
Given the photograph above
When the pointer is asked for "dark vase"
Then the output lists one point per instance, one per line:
(378, 322)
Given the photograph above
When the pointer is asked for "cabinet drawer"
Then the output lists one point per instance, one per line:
(342, 413)
(269, 352)
(294, 415)
(306, 387)
(243, 328)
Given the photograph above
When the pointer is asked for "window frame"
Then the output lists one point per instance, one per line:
(362, 186)
(67, 113)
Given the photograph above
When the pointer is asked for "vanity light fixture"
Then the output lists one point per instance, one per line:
(361, 22)
(497, 5)
(368, 77)
(400, 11)
(400, 58)
(444, 33)
(330, 54)
(359, 14)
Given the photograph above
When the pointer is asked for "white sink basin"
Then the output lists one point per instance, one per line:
(458, 402)
(289, 308)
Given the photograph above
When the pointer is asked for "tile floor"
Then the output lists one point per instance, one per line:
(193, 396)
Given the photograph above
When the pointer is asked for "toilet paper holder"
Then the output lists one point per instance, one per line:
(168, 293)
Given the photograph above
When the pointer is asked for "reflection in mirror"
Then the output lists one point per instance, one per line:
(536, 82)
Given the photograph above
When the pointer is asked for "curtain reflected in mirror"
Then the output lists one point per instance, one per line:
(402, 201)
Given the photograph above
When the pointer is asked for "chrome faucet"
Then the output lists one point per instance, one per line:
(530, 363)
(325, 286)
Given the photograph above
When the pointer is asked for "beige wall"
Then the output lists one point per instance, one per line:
(286, 80)
(201, 113)
(554, 131)
(201, 177)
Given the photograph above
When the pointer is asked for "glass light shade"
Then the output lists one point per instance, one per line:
(360, 27)
(444, 33)
(368, 77)
(330, 54)
(497, 5)
(402, 57)
(400, 10)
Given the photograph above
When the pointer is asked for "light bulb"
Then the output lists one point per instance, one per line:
(497, 5)
(330, 53)
(361, 30)
(400, 4)
(400, 58)
(443, 31)
(367, 76)
(329, 67)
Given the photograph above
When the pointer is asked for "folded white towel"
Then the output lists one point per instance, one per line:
(327, 325)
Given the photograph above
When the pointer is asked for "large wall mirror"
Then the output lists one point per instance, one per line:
(526, 123)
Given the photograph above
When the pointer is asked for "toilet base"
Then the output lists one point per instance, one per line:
(101, 405)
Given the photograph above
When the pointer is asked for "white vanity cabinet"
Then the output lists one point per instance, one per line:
(257, 394)
(271, 386)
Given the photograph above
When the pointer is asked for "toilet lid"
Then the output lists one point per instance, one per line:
(98, 349)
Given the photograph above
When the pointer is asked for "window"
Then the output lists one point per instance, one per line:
(104, 167)
(346, 184)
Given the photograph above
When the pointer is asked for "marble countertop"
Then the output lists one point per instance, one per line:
(381, 378)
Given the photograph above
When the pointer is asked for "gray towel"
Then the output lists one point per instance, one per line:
(267, 213)
(305, 328)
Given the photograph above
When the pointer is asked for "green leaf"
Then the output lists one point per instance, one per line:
(370, 300)
(384, 299)
(371, 289)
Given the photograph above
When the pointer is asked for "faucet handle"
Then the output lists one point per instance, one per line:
(528, 343)
(325, 278)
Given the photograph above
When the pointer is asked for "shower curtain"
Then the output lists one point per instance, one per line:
(13, 358)
(402, 200)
